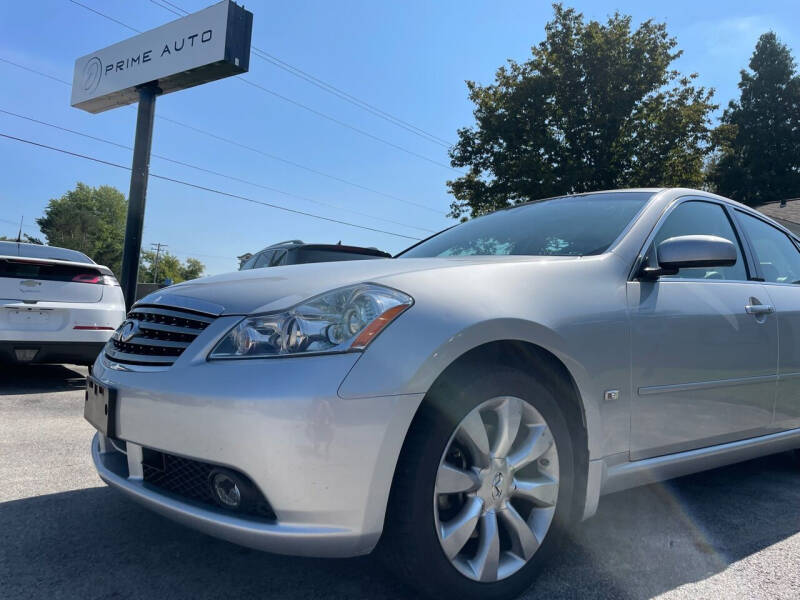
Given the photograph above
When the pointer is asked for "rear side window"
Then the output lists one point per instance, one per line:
(263, 259)
(775, 252)
(702, 218)
(249, 263)
(278, 258)
(47, 272)
(315, 256)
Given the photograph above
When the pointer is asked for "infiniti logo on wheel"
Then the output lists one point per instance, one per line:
(496, 485)
(92, 73)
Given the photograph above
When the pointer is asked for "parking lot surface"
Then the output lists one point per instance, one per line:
(729, 533)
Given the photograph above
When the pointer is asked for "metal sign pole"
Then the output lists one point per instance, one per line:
(138, 190)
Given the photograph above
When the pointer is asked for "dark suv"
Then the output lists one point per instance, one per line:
(295, 252)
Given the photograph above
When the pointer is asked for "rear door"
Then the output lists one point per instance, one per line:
(778, 261)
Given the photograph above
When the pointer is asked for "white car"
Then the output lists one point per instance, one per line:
(56, 305)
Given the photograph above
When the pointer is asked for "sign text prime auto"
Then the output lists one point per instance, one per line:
(147, 55)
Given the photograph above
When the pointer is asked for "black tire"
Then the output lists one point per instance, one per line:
(410, 545)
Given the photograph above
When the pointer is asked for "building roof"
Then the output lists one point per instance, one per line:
(789, 213)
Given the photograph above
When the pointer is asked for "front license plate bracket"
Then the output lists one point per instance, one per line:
(100, 407)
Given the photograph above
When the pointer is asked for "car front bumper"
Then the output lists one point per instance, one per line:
(324, 463)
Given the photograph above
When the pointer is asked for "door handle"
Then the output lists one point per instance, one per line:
(759, 309)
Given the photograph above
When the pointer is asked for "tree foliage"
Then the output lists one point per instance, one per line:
(169, 267)
(90, 220)
(759, 136)
(596, 107)
(27, 239)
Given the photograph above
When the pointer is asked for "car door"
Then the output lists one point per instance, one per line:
(778, 262)
(703, 368)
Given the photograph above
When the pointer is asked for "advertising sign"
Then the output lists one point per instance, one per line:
(204, 46)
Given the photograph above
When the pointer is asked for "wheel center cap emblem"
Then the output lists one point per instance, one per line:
(497, 485)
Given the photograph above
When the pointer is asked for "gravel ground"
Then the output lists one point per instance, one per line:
(729, 533)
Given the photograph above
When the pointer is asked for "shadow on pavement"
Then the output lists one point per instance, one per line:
(40, 379)
(95, 543)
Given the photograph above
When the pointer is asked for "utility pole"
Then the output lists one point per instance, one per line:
(158, 248)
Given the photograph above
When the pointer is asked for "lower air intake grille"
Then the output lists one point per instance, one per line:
(155, 335)
(190, 479)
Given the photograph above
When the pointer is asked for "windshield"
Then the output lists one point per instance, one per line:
(567, 226)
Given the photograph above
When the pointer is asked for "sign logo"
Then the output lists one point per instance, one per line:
(92, 73)
(127, 331)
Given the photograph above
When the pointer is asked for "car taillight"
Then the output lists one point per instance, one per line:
(95, 278)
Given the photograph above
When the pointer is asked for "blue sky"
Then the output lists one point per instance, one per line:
(409, 59)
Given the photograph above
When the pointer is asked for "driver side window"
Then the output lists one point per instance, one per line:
(701, 218)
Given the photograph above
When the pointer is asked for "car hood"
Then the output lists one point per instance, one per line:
(278, 288)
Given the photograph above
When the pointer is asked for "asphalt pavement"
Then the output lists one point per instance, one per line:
(729, 533)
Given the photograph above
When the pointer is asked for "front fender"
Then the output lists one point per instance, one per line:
(397, 364)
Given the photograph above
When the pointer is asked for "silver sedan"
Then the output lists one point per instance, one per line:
(460, 405)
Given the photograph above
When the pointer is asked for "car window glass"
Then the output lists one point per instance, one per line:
(775, 252)
(305, 255)
(277, 258)
(263, 259)
(249, 262)
(567, 226)
(702, 218)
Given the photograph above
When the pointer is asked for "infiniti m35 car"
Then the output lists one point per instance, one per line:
(460, 405)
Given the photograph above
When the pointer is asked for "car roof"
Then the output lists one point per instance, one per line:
(41, 251)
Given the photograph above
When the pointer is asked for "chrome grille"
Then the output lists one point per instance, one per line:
(158, 335)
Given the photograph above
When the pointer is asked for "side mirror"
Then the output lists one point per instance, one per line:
(691, 251)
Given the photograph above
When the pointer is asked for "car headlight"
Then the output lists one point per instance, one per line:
(343, 320)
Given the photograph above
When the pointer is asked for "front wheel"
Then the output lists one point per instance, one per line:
(483, 488)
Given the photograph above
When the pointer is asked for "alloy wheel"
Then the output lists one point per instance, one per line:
(496, 489)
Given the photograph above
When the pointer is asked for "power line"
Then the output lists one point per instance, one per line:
(251, 148)
(303, 106)
(346, 125)
(209, 189)
(16, 224)
(172, 10)
(105, 16)
(212, 172)
(327, 87)
(297, 165)
(323, 85)
(24, 68)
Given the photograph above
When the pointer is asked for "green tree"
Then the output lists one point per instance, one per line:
(169, 267)
(28, 239)
(90, 220)
(596, 107)
(759, 138)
